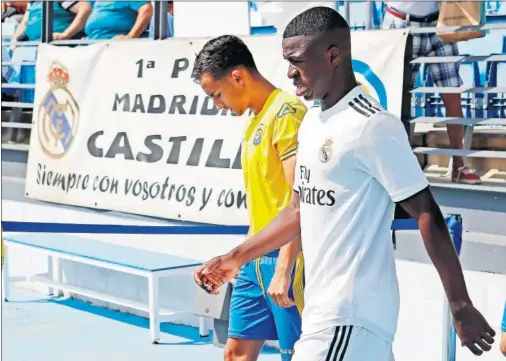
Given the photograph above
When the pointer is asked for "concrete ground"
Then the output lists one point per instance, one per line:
(38, 327)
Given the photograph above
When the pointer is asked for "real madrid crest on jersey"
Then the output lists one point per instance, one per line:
(326, 151)
(58, 115)
(258, 136)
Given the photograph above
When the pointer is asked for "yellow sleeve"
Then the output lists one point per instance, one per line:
(286, 128)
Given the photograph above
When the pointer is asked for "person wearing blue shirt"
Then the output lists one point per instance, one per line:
(503, 329)
(170, 22)
(69, 18)
(119, 20)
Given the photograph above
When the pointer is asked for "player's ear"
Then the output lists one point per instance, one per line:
(334, 56)
(237, 77)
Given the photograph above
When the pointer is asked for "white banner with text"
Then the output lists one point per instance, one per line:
(122, 126)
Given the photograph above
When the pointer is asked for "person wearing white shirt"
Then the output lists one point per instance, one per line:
(419, 14)
(354, 164)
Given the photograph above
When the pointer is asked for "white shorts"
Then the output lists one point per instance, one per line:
(343, 343)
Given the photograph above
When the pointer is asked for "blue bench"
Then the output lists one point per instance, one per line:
(151, 265)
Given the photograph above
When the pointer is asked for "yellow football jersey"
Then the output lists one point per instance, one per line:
(269, 138)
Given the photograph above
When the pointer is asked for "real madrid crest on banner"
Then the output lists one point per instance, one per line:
(58, 116)
(326, 151)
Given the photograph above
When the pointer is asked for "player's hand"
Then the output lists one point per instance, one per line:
(278, 289)
(473, 330)
(59, 36)
(215, 273)
(121, 37)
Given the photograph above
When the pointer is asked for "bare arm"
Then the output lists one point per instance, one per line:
(285, 227)
(144, 15)
(439, 246)
(473, 330)
(289, 252)
(20, 30)
(82, 9)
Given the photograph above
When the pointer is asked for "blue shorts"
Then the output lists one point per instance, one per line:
(255, 316)
(503, 325)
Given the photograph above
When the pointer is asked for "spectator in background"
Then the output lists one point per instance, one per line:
(170, 22)
(13, 11)
(69, 18)
(119, 20)
(420, 14)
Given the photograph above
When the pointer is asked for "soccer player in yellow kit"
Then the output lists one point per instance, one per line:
(267, 295)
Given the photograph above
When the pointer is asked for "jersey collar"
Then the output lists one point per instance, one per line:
(343, 104)
(268, 103)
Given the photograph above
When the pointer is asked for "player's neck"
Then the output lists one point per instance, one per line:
(261, 91)
(343, 85)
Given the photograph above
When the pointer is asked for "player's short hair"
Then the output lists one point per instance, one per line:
(221, 55)
(315, 21)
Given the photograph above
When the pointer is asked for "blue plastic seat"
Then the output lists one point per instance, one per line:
(24, 74)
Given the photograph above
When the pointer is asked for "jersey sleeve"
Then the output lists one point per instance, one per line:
(383, 151)
(297, 174)
(286, 128)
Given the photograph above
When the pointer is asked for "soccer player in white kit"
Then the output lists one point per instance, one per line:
(354, 163)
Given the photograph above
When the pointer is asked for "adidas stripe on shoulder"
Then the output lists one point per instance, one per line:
(363, 106)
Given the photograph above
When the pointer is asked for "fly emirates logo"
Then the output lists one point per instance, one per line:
(313, 195)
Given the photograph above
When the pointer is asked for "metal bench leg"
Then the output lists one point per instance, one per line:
(154, 307)
(57, 274)
(203, 327)
(6, 282)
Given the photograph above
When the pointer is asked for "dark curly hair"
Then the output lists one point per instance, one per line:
(315, 21)
(221, 55)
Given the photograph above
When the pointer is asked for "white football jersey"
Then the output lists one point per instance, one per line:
(354, 161)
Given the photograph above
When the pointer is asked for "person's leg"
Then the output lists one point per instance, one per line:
(447, 75)
(250, 321)
(288, 320)
(238, 349)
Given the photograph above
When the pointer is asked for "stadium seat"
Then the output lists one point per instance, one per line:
(476, 47)
(434, 103)
(418, 100)
(495, 8)
(499, 100)
(378, 12)
(358, 15)
(8, 29)
(472, 105)
(263, 30)
(495, 102)
(492, 42)
(24, 74)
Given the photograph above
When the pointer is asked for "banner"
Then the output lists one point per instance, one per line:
(122, 126)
